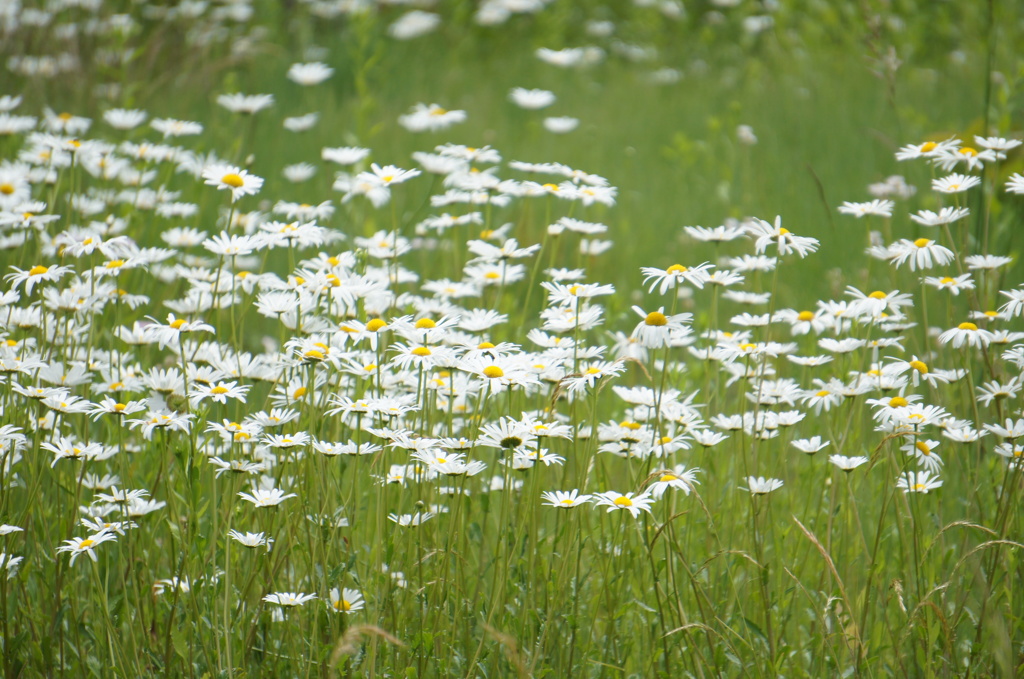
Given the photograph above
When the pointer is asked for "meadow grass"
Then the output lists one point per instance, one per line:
(327, 432)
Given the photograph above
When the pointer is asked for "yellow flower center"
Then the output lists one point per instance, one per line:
(425, 324)
(486, 234)
(421, 351)
(991, 314)
(823, 392)
(342, 605)
(747, 347)
(632, 426)
(485, 345)
(968, 151)
(37, 270)
(623, 502)
(676, 268)
(783, 231)
(314, 354)
(7, 189)
(656, 318)
(566, 501)
(919, 366)
(219, 389)
(114, 264)
(664, 440)
(669, 477)
(233, 180)
(86, 544)
(492, 275)
(177, 324)
(967, 326)
(493, 371)
(923, 447)
(375, 324)
(945, 280)
(119, 407)
(593, 371)
(922, 242)
(299, 393)
(65, 116)
(928, 146)
(805, 316)
(919, 486)
(897, 402)
(877, 294)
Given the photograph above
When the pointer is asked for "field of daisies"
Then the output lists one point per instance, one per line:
(511, 338)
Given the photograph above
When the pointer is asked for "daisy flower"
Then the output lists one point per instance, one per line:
(79, 546)
(946, 215)
(346, 601)
(922, 253)
(918, 482)
(563, 499)
(877, 207)
(219, 392)
(679, 478)
(309, 74)
(811, 445)
(231, 178)
(245, 103)
(674, 275)
(251, 540)
(632, 503)
(954, 285)
(924, 452)
(531, 99)
(847, 464)
(769, 234)
(288, 599)
(955, 183)
(266, 498)
(658, 330)
(966, 333)
(758, 485)
(36, 274)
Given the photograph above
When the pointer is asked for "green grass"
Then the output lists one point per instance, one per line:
(832, 574)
